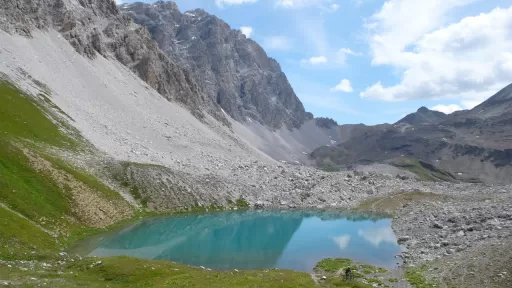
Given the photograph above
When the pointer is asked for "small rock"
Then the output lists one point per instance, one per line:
(438, 225)
(324, 278)
(460, 233)
(96, 264)
(202, 267)
(259, 205)
(403, 239)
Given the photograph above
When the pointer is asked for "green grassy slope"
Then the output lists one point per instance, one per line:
(25, 125)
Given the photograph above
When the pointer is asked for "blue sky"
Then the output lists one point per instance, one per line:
(373, 61)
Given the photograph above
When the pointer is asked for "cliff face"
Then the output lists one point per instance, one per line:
(193, 58)
(234, 71)
(95, 27)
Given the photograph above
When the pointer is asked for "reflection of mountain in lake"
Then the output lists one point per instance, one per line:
(294, 240)
(216, 240)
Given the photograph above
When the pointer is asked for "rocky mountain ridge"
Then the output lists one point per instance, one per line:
(192, 58)
(233, 70)
(475, 144)
(95, 27)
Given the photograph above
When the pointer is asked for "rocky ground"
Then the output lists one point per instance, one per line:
(462, 239)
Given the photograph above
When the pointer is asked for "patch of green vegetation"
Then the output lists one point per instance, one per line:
(392, 280)
(329, 158)
(134, 190)
(332, 265)
(327, 165)
(197, 208)
(390, 204)
(425, 171)
(239, 204)
(27, 191)
(356, 274)
(341, 283)
(372, 269)
(19, 237)
(242, 204)
(144, 201)
(376, 281)
(21, 117)
(416, 278)
(130, 272)
(381, 270)
(24, 125)
(359, 272)
(83, 177)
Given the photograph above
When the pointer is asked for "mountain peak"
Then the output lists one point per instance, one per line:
(423, 109)
(423, 116)
(234, 72)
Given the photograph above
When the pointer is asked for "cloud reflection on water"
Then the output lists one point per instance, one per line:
(342, 241)
(378, 235)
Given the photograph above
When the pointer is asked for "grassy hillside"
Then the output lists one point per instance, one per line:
(38, 190)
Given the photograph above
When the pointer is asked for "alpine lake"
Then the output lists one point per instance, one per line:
(247, 240)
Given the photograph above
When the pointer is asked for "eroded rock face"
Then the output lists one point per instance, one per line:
(193, 58)
(95, 27)
(234, 71)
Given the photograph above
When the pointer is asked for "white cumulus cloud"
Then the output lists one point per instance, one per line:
(447, 109)
(277, 43)
(468, 60)
(342, 55)
(315, 60)
(247, 31)
(221, 3)
(343, 86)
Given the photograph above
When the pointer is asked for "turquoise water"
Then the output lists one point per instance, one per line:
(254, 240)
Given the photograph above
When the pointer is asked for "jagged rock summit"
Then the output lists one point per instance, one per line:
(95, 27)
(234, 71)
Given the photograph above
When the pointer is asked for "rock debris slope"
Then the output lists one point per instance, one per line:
(95, 27)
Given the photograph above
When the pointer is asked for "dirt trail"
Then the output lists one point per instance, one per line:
(2, 205)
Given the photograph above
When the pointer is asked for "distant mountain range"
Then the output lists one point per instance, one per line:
(473, 144)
